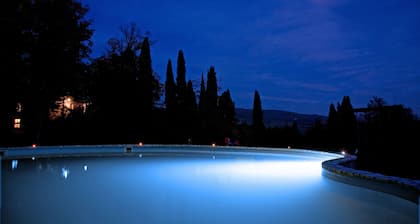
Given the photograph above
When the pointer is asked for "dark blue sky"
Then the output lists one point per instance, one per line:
(300, 55)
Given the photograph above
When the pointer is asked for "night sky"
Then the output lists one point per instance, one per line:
(300, 55)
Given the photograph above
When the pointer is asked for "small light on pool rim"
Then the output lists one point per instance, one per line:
(33, 145)
(14, 164)
(140, 144)
(213, 144)
(343, 152)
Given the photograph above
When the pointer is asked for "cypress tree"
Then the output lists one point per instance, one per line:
(227, 108)
(191, 102)
(211, 92)
(211, 120)
(202, 101)
(190, 119)
(332, 117)
(181, 80)
(227, 114)
(332, 125)
(347, 123)
(146, 83)
(146, 76)
(170, 89)
(257, 113)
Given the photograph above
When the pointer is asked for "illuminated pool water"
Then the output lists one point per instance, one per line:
(189, 186)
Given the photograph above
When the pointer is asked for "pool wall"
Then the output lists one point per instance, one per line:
(408, 189)
(1, 159)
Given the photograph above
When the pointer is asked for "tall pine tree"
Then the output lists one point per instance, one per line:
(257, 113)
(211, 92)
(181, 84)
(227, 114)
(227, 108)
(191, 102)
(347, 123)
(170, 89)
(332, 125)
(146, 78)
(202, 98)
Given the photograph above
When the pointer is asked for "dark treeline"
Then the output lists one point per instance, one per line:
(52, 93)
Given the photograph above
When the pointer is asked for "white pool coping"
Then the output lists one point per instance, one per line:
(408, 189)
(130, 150)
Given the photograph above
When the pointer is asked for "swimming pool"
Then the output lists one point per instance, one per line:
(185, 184)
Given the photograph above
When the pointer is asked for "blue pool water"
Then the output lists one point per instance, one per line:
(202, 186)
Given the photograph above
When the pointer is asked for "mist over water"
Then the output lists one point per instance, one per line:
(188, 190)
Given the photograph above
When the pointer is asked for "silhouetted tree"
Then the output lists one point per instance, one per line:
(332, 124)
(146, 77)
(347, 123)
(227, 113)
(202, 98)
(191, 102)
(202, 105)
(376, 104)
(50, 40)
(170, 89)
(181, 83)
(211, 92)
(387, 140)
(212, 121)
(191, 112)
(258, 127)
(316, 136)
(257, 113)
(12, 64)
(131, 38)
(227, 108)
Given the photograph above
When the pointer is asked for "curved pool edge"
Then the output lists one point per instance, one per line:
(134, 149)
(1, 159)
(405, 188)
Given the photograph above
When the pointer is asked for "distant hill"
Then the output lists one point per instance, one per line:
(280, 118)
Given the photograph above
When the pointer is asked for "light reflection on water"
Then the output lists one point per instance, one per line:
(193, 190)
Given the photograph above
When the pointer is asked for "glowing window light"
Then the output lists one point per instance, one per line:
(17, 123)
(68, 103)
(14, 164)
(65, 172)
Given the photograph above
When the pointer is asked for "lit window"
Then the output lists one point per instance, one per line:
(16, 123)
(68, 103)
